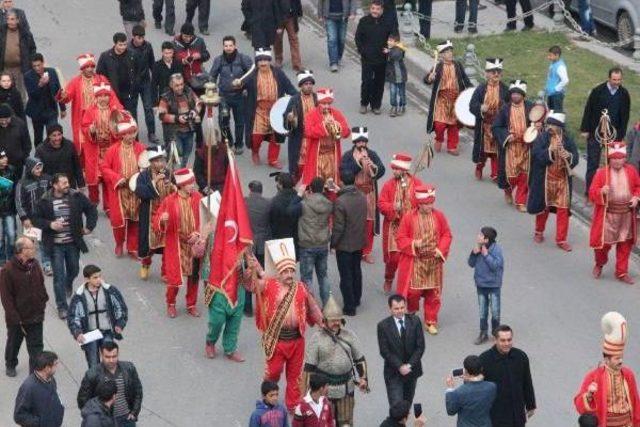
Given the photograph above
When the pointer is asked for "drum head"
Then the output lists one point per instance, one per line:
(530, 134)
(537, 113)
(276, 115)
(463, 113)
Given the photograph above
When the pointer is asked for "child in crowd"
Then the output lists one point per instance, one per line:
(396, 75)
(269, 412)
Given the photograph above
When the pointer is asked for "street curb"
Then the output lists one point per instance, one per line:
(417, 92)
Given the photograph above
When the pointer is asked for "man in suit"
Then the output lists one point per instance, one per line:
(258, 208)
(401, 343)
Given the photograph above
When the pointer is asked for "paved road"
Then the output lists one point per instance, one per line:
(549, 297)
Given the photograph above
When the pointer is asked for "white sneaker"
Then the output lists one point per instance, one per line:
(334, 68)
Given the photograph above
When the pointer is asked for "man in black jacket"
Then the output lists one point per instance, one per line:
(24, 299)
(6, 6)
(128, 399)
(42, 85)
(258, 208)
(508, 367)
(123, 69)
(401, 343)
(371, 39)
(132, 14)
(98, 411)
(58, 155)
(283, 222)
(14, 138)
(144, 50)
(610, 95)
(348, 238)
(59, 216)
(170, 20)
(162, 71)
(22, 44)
(265, 17)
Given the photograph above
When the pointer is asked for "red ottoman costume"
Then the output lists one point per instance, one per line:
(179, 218)
(282, 314)
(614, 219)
(396, 199)
(423, 239)
(119, 165)
(610, 392)
(98, 137)
(324, 126)
(79, 92)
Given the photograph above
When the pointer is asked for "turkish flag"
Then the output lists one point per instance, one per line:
(232, 237)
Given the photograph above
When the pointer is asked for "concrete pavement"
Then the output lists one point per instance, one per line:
(549, 297)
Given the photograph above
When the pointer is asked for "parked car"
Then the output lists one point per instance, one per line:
(622, 16)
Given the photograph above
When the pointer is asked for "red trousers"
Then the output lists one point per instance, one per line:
(562, 223)
(368, 246)
(128, 232)
(391, 265)
(192, 292)
(290, 353)
(94, 195)
(453, 134)
(493, 163)
(623, 250)
(431, 304)
(521, 186)
(274, 147)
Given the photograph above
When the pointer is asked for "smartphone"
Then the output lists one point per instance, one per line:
(457, 372)
(417, 409)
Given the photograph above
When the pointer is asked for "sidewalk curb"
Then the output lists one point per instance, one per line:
(418, 92)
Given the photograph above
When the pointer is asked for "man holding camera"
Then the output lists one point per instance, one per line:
(178, 111)
(472, 400)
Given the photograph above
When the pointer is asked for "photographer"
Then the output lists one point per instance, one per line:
(472, 400)
(178, 111)
(488, 264)
(399, 416)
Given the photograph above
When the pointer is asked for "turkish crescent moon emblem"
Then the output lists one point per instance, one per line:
(234, 225)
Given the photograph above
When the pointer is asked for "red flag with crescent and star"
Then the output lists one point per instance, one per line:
(232, 237)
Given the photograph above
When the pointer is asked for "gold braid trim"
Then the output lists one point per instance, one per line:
(270, 336)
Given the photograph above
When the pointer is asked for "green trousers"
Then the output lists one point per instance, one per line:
(221, 314)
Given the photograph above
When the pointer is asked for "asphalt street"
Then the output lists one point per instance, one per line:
(549, 296)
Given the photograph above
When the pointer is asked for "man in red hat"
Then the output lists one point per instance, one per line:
(324, 127)
(283, 317)
(119, 165)
(179, 218)
(614, 192)
(98, 137)
(396, 199)
(610, 391)
(423, 240)
(79, 92)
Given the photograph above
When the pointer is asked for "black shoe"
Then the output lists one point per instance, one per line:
(482, 338)
(158, 25)
(238, 151)
(68, 292)
(248, 313)
(473, 30)
(349, 312)
(170, 32)
(528, 28)
(62, 313)
(458, 29)
(204, 31)
(11, 372)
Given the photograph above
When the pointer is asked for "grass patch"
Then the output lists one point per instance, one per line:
(525, 57)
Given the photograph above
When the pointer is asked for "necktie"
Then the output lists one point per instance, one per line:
(402, 329)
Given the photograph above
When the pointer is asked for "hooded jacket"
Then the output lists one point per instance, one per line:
(30, 189)
(313, 214)
(8, 192)
(95, 414)
(266, 415)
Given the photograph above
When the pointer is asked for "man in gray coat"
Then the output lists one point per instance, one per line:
(313, 211)
(348, 239)
(258, 208)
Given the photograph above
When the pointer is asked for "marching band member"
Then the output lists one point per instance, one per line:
(553, 156)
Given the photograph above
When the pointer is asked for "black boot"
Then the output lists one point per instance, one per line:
(482, 338)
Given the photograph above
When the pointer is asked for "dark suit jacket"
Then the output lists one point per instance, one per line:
(597, 101)
(259, 208)
(391, 348)
(41, 103)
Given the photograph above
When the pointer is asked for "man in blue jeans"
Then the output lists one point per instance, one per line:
(313, 211)
(144, 50)
(59, 215)
(336, 15)
(461, 12)
(488, 264)
(8, 181)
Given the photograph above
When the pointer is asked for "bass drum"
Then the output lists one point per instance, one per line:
(276, 115)
(463, 113)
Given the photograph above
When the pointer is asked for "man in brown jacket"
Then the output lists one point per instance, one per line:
(24, 299)
(348, 239)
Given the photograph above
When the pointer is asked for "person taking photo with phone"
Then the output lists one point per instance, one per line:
(471, 401)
